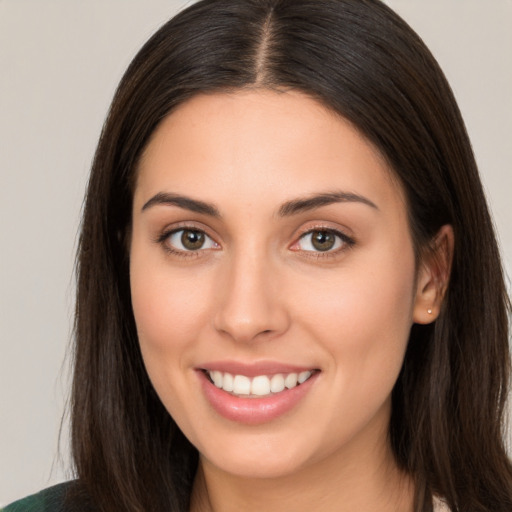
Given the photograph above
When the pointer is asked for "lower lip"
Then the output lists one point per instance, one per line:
(254, 411)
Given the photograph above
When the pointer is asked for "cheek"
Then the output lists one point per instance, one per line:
(169, 314)
(363, 316)
(169, 309)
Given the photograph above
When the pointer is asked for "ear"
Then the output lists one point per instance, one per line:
(433, 276)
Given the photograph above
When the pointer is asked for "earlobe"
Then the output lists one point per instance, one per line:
(433, 276)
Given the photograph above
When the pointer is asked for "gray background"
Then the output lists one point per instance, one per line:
(60, 62)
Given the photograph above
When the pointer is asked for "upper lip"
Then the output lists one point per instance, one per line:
(254, 369)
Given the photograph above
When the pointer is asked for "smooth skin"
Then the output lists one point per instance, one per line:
(247, 283)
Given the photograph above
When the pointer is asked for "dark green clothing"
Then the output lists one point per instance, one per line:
(53, 499)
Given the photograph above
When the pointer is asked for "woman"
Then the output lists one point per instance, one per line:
(289, 291)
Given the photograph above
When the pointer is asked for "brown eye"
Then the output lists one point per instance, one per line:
(188, 240)
(192, 240)
(323, 240)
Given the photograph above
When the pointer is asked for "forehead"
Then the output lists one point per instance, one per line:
(259, 146)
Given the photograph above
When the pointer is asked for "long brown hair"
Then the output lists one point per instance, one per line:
(362, 61)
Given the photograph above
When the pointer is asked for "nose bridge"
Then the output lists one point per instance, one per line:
(249, 304)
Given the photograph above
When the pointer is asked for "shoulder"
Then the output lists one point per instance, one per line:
(53, 499)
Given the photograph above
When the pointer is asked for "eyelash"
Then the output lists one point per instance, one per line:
(346, 241)
(164, 237)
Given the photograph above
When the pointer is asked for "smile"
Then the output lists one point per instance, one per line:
(258, 386)
(255, 394)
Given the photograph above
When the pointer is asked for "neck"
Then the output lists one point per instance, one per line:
(364, 482)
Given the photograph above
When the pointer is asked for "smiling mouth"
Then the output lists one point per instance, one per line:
(258, 386)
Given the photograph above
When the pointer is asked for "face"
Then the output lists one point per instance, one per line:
(273, 281)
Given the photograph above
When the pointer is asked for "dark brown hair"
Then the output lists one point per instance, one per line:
(362, 61)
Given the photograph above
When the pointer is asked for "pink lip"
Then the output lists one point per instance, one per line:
(252, 369)
(254, 411)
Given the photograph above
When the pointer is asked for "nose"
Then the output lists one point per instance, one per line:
(250, 304)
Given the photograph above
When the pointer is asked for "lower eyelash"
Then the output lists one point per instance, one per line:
(161, 239)
(348, 243)
(181, 254)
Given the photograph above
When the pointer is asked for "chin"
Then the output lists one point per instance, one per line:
(260, 467)
(260, 455)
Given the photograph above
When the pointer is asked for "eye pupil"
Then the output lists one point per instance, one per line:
(323, 240)
(192, 240)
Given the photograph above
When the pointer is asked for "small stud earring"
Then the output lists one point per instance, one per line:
(429, 311)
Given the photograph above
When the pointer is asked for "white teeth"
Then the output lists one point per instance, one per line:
(277, 383)
(227, 384)
(291, 380)
(241, 385)
(304, 376)
(261, 385)
(217, 378)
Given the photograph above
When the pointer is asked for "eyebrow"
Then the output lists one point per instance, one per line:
(287, 209)
(187, 203)
(316, 201)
